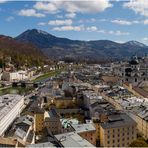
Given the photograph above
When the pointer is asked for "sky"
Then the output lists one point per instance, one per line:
(115, 20)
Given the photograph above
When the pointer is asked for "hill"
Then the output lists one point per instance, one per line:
(21, 53)
(55, 47)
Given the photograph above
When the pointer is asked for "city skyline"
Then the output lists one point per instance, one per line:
(118, 21)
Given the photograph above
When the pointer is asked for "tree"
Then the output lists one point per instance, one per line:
(140, 142)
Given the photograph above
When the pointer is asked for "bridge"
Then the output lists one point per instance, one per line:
(27, 83)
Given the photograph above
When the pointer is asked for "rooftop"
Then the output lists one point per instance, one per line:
(7, 102)
(51, 113)
(46, 144)
(80, 128)
(72, 139)
(119, 120)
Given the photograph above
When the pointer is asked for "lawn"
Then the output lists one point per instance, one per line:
(47, 75)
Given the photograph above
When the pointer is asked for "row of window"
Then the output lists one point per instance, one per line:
(123, 139)
(122, 129)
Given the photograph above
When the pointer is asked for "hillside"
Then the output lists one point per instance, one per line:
(20, 53)
(55, 47)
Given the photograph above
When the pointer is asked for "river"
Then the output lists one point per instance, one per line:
(16, 90)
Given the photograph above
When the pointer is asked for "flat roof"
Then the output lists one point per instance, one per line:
(119, 120)
(80, 128)
(72, 139)
(38, 145)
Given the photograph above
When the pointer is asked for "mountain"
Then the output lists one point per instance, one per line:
(20, 53)
(135, 43)
(55, 47)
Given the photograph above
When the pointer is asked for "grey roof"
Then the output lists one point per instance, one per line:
(35, 108)
(38, 145)
(72, 139)
(20, 133)
(53, 113)
(119, 120)
(25, 119)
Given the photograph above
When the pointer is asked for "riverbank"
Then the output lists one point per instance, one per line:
(47, 75)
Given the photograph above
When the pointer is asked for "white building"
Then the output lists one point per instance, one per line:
(10, 107)
(15, 76)
(135, 71)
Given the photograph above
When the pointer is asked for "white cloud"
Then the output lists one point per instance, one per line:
(101, 31)
(121, 22)
(46, 6)
(138, 6)
(3, 1)
(111, 32)
(10, 18)
(145, 22)
(69, 28)
(30, 13)
(126, 22)
(87, 20)
(41, 24)
(60, 22)
(59, 16)
(87, 6)
(70, 15)
(145, 39)
(118, 33)
(92, 28)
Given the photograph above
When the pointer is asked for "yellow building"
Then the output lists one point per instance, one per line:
(119, 131)
(62, 102)
(38, 120)
(140, 116)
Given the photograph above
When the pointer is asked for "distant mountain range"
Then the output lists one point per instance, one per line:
(56, 47)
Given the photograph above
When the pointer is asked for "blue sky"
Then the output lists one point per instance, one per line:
(116, 20)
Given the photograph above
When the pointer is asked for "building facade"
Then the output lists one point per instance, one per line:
(119, 131)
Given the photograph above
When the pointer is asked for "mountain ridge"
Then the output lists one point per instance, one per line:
(57, 47)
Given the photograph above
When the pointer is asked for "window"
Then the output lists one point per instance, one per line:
(132, 132)
(108, 142)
